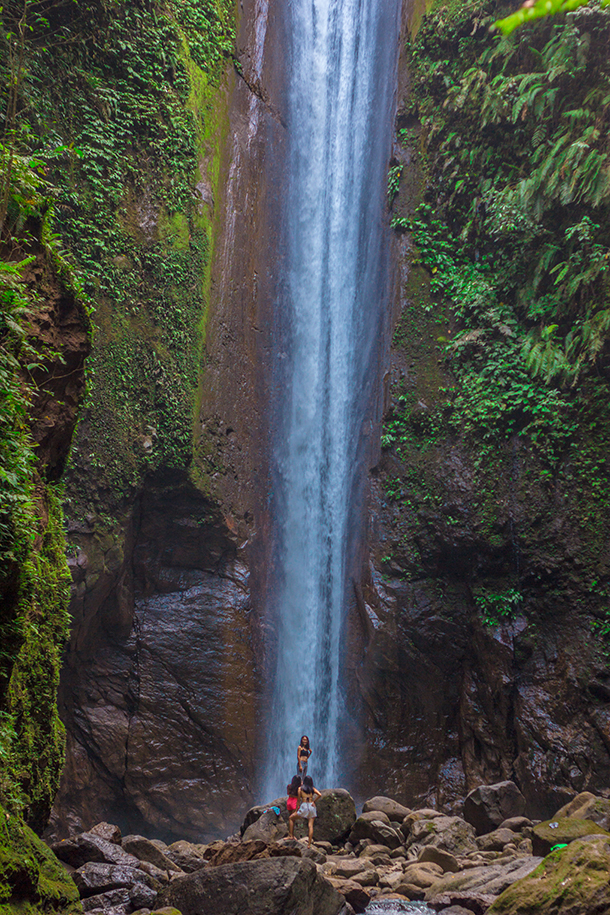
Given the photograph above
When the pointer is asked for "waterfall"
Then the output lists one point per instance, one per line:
(340, 84)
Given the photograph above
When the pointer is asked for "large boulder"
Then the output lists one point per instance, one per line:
(587, 806)
(570, 881)
(490, 880)
(336, 815)
(268, 828)
(94, 878)
(106, 831)
(376, 831)
(452, 834)
(254, 813)
(487, 806)
(86, 847)
(274, 886)
(392, 809)
(496, 840)
(187, 856)
(562, 831)
(232, 852)
(31, 877)
(144, 850)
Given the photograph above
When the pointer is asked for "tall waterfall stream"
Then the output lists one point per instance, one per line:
(341, 74)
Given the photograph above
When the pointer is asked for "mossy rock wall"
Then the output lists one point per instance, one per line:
(484, 622)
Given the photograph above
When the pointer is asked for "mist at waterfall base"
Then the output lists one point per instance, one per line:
(341, 59)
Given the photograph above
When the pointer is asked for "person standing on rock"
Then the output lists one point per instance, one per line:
(303, 754)
(307, 810)
(292, 802)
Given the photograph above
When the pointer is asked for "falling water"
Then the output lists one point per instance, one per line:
(341, 72)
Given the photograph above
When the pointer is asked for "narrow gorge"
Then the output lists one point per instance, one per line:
(304, 417)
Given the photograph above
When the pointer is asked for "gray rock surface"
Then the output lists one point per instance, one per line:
(269, 827)
(107, 831)
(487, 806)
(490, 880)
(94, 878)
(186, 855)
(144, 850)
(276, 886)
(451, 834)
(392, 809)
(496, 840)
(116, 899)
(86, 847)
(378, 832)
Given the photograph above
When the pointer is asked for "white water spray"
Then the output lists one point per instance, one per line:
(341, 65)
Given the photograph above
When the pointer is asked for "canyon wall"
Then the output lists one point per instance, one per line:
(481, 633)
(166, 489)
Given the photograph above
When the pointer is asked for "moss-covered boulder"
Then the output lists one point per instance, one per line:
(586, 806)
(570, 881)
(564, 830)
(32, 881)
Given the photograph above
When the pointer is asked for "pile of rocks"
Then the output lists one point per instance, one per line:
(492, 859)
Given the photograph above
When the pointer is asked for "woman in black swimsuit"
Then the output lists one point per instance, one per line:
(303, 754)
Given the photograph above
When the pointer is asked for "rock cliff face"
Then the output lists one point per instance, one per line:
(481, 652)
(162, 686)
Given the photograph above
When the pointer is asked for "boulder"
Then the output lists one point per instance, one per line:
(374, 851)
(496, 840)
(490, 879)
(254, 813)
(336, 815)
(451, 834)
(515, 823)
(107, 831)
(378, 815)
(345, 867)
(410, 891)
(275, 886)
(421, 875)
(565, 830)
(187, 856)
(587, 806)
(487, 806)
(457, 910)
(142, 895)
(144, 850)
(367, 877)
(94, 878)
(472, 903)
(232, 852)
(569, 881)
(115, 899)
(378, 832)
(78, 850)
(415, 815)
(32, 880)
(445, 860)
(392, 809)
(353, 893)
(269, 827)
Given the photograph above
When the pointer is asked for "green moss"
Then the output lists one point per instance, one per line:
(32, 880)
(37, 750)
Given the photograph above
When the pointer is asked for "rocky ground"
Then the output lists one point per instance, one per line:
(491, 858)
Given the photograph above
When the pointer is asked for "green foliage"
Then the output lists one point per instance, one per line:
(394, 173)
(498, 607)
(125, 128)
(539, 9)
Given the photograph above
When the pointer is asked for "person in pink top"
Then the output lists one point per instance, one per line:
(293, 794)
